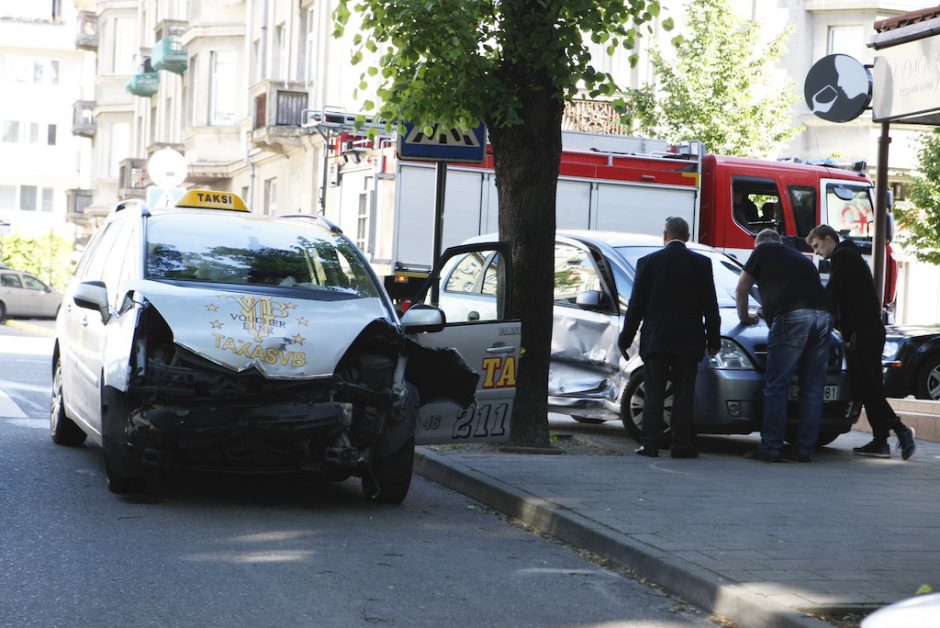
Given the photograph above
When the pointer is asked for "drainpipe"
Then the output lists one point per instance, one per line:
(249, 23)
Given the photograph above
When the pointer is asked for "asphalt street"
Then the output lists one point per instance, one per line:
(239, 551)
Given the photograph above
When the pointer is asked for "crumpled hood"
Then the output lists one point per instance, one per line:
(282, 336)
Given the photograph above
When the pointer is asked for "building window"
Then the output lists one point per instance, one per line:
(54, 72)
(847, 40)
(258, 61)
(50, 135)
(191, 80)
(222, 84)
(28, 198)
(11, 131)
(122, 33)
(47, 198)
(33, 133)
(310, 45)
(245, 196)
(362, 219)
(7, 197)
(270, 195)
(280, 45)
(120, 147)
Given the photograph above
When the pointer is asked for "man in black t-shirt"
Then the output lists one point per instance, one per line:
(796, 308)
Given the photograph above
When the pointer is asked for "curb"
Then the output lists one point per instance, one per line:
(34, 329)
(692, 583)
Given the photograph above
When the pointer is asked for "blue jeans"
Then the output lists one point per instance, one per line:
(799, 340)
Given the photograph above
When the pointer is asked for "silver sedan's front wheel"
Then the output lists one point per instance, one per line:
(631, 408)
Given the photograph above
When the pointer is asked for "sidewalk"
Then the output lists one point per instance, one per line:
(760, 544)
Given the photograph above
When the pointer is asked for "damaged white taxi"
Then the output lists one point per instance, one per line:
(207, 337)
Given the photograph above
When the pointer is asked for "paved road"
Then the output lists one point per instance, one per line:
(211, 551)
(756, 542)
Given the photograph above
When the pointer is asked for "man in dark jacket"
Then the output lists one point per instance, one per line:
(674, 296)
(797, 311)
(858, 317)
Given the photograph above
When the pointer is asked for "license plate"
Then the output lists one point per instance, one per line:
(830, 393)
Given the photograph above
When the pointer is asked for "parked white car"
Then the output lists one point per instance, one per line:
(207, 337)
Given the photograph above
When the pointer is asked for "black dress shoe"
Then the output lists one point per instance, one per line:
(764, 456)
(646, 451)
(684, 452)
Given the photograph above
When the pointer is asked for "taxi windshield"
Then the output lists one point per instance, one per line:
(238, 250)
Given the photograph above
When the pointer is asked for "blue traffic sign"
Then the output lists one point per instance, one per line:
(442, 144)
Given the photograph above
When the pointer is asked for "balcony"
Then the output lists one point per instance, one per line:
(278, 112)
(146, 82)
(77, 201)
(132, 178)
(86, 34)
(83, 118)
(155, 146)
(170, 55)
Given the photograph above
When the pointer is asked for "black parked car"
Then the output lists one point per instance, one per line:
(911, 362)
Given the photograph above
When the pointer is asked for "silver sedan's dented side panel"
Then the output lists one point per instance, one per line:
(284, 337)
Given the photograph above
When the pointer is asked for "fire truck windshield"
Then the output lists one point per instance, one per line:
(850, 210)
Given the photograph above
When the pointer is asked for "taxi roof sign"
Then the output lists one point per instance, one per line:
(207, 199)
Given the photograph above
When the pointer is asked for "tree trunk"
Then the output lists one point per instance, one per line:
(527, 157)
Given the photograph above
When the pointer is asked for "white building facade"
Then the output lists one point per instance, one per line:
(41, 74)
(224, 83)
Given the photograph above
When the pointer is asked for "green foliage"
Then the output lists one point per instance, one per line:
(460, 62)
(924, 589)
(718, 88)
(919, 220)
(47, 257)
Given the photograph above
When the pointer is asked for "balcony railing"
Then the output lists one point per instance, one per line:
(277, 104)
(83, 118)
(146, 82)
(78, 200)
(132, 178)
(86, 34)
(170, 55)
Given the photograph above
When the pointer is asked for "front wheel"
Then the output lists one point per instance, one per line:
(64, 431)
(631, 409)
(119, 464)
(388, 479)
(928, 380)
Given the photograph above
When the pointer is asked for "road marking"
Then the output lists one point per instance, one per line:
(9, 409)
(36, 424)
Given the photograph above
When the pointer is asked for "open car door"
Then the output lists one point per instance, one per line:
(481, 334)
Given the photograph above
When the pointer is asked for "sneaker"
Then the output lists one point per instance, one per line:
(906, 444)
(874, 449)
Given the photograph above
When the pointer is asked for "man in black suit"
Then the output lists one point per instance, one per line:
(674, 296)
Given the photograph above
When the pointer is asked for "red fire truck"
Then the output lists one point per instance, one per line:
(606, 182)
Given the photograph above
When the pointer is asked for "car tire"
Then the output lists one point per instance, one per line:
(64, 431)
(3, 311)
(120, 466)
(587, 420)
(388, 479)
(928, 379)
(631, 409)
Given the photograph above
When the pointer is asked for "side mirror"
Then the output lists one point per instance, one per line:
(92, 295)
(588, 300)
(423, 318)
(889, 198)
(889, 225)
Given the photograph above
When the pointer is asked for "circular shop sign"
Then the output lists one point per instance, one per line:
(837, 88)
